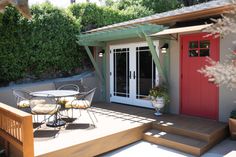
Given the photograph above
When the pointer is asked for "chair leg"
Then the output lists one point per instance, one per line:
(79, 113)
(93, 114)
(90, 117)
(72, 111)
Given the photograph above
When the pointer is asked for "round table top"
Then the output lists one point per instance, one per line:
(54, 93)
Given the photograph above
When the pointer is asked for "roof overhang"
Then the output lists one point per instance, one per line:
(173, 31)
(178, 16)
(100, 38)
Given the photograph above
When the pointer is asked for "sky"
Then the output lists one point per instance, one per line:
(60, 3)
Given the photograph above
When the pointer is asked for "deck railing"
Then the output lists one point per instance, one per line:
(16, 128)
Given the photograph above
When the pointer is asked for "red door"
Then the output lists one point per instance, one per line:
(198, 96)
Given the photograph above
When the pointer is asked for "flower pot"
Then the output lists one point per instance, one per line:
(232, 128)
(158, 104)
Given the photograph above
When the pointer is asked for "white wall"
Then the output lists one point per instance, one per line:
(227, 96)
(174, 77)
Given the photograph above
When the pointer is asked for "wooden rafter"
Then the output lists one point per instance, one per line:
(99, 38)
(94, 63)
(156, 58)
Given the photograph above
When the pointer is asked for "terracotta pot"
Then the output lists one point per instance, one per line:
(232, 128)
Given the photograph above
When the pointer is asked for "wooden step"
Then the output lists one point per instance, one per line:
(182, 131)
(201, 129)
(178, 142)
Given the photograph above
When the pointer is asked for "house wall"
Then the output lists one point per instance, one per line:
(174, 76)
(227, 96)
(173, 70)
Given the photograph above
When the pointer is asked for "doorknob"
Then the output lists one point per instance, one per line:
(134, 75)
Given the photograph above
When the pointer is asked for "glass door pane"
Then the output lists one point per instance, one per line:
(121, 72)
(146, 72)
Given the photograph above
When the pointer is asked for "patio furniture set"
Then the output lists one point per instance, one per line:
(54, 102)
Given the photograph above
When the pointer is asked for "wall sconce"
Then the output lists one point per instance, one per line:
(164, 48)
(100, 53)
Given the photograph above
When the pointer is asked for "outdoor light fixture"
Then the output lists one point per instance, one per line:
(164, 48)
(100, 53)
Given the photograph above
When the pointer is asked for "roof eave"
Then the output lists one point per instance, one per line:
(193, 15)
(176, 18)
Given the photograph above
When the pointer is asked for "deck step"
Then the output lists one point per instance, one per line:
(184, 132)
(178, 142)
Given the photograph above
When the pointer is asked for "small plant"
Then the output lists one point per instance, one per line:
(159, 91)
(233, 114)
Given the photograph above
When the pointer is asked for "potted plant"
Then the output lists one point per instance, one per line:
(232, 124)
(159, 98)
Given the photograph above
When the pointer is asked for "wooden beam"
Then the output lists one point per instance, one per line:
(116, 34)
(104, 74)
(94, 63)
(87, 43)
(167, 61)
(155, 57)
(27, 137)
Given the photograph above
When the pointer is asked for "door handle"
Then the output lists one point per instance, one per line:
(129, 74)
(134, 75)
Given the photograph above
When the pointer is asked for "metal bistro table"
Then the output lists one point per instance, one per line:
(55, 94)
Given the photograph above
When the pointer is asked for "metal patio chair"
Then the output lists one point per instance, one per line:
(64, 100)
(22, 98)
(83, 102)
(45, 106)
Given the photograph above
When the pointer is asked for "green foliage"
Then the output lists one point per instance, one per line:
(159, 91)
(154, 6)
(93, 16)
(193, 2)
(44, 45)
(137, 11)
(233, 114)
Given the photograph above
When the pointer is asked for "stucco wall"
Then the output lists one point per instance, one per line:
(174, 76)
(227, 97)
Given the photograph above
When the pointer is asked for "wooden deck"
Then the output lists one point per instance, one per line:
(118, 125)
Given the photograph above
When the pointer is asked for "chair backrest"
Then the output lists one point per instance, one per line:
(47, 99)
(23, 94)
(89, 95)
(69, 87)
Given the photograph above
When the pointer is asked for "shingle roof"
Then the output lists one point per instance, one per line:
(184, 10)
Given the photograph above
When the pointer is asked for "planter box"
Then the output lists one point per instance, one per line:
(232, 128)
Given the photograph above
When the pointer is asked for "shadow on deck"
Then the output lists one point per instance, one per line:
(118, 125)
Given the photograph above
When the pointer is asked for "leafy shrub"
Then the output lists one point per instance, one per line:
(233, 114)
(93, 16)
(45, 45)
(159, 91)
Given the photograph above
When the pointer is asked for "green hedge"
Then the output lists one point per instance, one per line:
(93, 16)
(45, 46)
(39, 47)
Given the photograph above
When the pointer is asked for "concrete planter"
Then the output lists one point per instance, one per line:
(158, 104)
(232, 128)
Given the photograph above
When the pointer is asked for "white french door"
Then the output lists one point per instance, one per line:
(132, 73)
